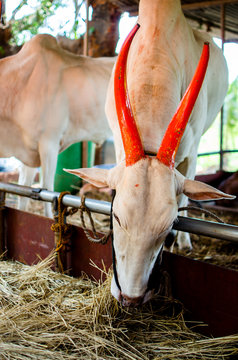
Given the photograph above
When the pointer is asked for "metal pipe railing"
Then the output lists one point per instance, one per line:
(97, 206)
(186, 224)
(207, 228)
(217, 152)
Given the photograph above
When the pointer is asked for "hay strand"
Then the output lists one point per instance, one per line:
(45, 315)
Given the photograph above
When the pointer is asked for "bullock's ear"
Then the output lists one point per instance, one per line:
(97, 177)
(197, 190)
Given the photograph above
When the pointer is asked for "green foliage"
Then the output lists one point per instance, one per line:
(211, 140)
(32, 22)
(231, 116)
(2, 50)
(28, 26)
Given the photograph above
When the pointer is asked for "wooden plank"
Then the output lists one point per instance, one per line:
(84, 253)
(208, 292)
(29, 238)
(198, 5)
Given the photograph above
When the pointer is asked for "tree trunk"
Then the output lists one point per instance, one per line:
(103, 38)
(103, 29)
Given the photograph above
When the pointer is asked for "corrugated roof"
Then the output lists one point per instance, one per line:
(203, 14)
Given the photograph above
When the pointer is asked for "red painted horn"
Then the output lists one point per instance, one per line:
(130, 136)
(171, 140)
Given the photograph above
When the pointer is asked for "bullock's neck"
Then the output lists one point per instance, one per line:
(159, 13)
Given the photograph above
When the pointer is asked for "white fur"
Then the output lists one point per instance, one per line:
(144, 209)
(49, 100)
(161, 63)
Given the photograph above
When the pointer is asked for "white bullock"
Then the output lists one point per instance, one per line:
(162, 60)
(50, 99)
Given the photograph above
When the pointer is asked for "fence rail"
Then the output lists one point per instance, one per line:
(217, 152)
(186, 224)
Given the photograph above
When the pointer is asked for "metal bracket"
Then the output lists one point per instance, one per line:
(35, 194)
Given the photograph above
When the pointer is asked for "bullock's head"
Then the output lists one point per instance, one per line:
(145, 205)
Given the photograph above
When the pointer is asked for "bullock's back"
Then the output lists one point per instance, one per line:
(43, 45)
(41, 69)
(216, 77)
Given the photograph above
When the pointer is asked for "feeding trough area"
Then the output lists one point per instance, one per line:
(70, 292)
(45, 314)
(208, 292)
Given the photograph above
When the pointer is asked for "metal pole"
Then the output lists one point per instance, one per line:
(97, 206)
(222, 109)
(194, 226)
(207, 228)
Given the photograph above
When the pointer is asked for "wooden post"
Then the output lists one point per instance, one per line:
(98, 155)
(84, 151)
(2, 227)
(3, 12)
(85, 49)
(222, 109)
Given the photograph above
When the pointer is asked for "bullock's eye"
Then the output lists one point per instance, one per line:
(117, 219)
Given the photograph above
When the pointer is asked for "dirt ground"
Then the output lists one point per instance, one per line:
(207, 249)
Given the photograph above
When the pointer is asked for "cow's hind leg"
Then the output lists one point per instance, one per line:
(26, 177)
(48, 154)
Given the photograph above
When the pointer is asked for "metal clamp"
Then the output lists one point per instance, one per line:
(35, 193)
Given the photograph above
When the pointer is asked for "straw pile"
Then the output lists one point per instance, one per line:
(213, 251)
(45, 315)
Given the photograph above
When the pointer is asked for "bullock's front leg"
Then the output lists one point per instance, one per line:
(26, 178)
(188, 169)
(183, 238)
(48, 155)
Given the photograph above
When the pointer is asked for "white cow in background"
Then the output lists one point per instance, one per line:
(50, 99)
(162, 60)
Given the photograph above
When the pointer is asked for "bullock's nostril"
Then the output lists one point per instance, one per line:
(131, 302)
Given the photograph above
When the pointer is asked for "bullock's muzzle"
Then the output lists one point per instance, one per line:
(156, 274)
(153, 287)
(154, 283)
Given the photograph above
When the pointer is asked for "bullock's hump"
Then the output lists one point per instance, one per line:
(47, 46)
(40, 40)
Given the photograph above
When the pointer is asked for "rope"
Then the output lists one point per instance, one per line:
(207, 212)
(62, 229)
(95, 238)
